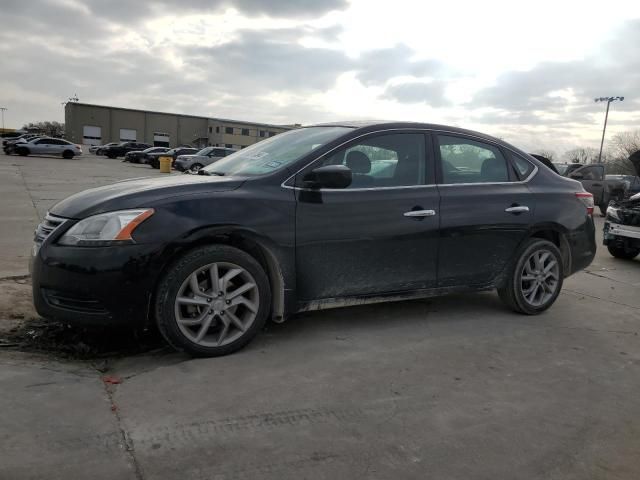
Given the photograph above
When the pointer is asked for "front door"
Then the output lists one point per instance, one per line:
(380, 234)
(485, 211)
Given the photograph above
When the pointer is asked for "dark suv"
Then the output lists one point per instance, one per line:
(317, 217)
(115, 151)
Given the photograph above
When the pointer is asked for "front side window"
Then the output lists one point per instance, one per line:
(394, 160)
(591, 173)
(468, 161)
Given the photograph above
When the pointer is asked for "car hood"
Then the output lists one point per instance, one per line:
(139, 193)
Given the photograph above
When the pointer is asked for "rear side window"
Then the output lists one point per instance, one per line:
(468, 161)
(523, 167)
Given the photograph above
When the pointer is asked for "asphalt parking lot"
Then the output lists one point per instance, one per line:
(456, 387)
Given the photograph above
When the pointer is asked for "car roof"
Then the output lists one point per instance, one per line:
(389, 124)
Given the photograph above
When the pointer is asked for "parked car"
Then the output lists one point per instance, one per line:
(139, 156)
(10, 144)
(204, 157)
(622, 225)
(97, 149)
(153, 159)
(48, 146)
(298, 222)
(12, 135)
(593, 179)
(121, 149)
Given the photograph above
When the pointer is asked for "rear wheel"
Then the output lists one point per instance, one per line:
(23, 151)
(212, 301)
(535, 279)
(68, 154)
(195, 167)
(111, 155)
(621, 251)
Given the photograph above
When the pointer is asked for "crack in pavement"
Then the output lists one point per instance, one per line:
(600, 298)
(599, 275)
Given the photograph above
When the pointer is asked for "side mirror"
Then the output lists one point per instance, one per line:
(329, 176)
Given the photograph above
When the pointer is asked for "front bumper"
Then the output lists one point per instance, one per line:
(617, 233)
(179, 166)
(94, 286)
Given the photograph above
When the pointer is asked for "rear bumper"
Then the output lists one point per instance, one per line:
(583, 246)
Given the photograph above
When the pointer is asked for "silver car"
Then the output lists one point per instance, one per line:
(48, 146)
(204, 157)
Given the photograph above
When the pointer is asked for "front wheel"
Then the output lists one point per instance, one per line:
(212, 301)
(195, 167)
(621, 251)
(535, 279)
(22, 151)
(68, 154)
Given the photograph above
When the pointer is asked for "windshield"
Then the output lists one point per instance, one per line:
(205, 151)
(276, 152)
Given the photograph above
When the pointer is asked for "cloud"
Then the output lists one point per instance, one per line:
(431, 93)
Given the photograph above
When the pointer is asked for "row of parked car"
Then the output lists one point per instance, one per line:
(36, 144)
(185, 157)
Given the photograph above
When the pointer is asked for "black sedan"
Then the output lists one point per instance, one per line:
(317, 217)
(153, 159)
(120, 150)
(140, 156)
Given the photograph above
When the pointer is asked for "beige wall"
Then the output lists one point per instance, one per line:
(181, 129)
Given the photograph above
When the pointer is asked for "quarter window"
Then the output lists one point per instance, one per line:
(467, 161)
(522, 166)
(383, 161)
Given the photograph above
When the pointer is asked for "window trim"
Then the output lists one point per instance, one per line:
(428, 132)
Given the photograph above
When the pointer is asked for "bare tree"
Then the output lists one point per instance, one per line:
(546, 153)
(623, 145)
(582, 155)
(52, 129)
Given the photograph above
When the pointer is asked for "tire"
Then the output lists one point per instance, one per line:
(524, 299)
(155, 164)
(68, 154)
(620, 251)
(603, 209)
(22, 151)
(195, 167)
(111, 155)
(212, 324)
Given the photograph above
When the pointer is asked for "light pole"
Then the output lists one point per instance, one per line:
(606, 115)
(3, 109)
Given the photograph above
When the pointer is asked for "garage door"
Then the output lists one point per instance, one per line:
(160, 139)
(91, 135)
(128, 135)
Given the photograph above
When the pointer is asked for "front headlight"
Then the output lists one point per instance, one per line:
(106, 228)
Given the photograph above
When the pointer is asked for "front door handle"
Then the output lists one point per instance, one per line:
(517, 209)
(420, 213)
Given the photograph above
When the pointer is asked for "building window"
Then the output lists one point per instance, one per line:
(210, 129)
(245, 132)
(262, 133)
(217, 129)
(228, 145)
(228, 130)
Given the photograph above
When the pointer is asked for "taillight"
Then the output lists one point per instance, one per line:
(587, 199)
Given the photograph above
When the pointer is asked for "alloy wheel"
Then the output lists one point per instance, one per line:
(539, 278)
(216, 304)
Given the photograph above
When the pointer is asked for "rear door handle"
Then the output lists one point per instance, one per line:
(420, 213)
(517, 209)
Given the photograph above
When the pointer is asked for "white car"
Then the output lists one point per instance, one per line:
(204, 157)
(48, 146)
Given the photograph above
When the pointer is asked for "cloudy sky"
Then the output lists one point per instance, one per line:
(527, 72)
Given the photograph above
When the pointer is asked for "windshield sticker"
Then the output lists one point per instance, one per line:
(273, 164)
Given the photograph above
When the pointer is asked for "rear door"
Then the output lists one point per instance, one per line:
(485, 209)
(380, 234)
(592, 179)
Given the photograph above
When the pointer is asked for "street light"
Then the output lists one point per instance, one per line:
(606, 115)
(3, 109)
